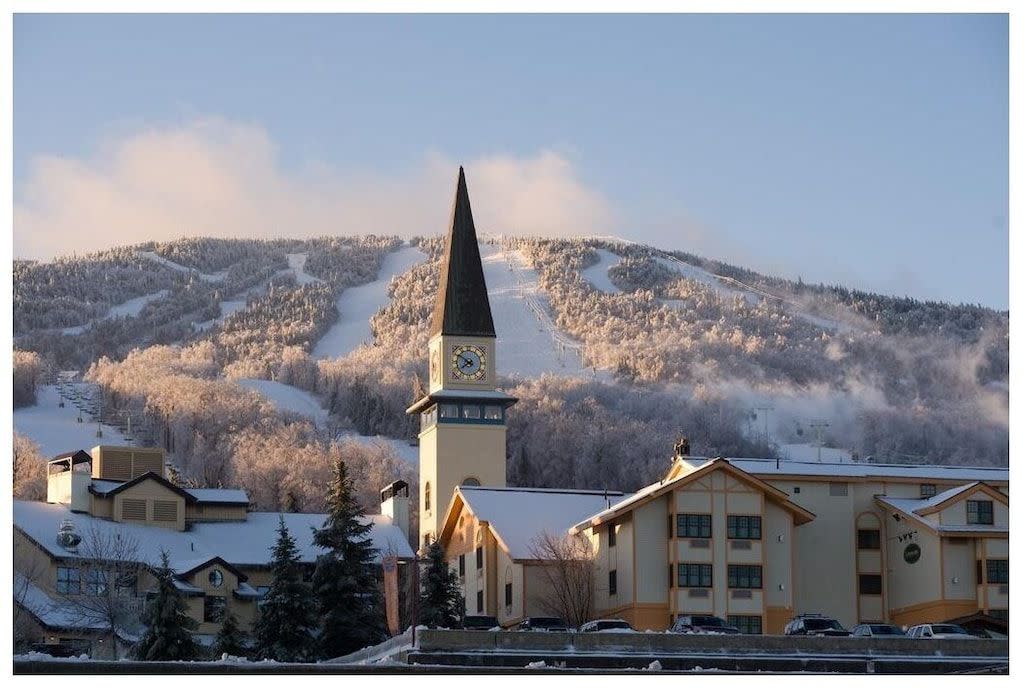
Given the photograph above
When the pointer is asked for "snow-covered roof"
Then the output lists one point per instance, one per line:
(519, 516)
(763, 466)
(919, 505)
(247, 542)
(220, 495)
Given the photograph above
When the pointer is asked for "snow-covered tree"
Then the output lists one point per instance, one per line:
(284, 628)
(168, 635)
(441, 602)
(29, 470)
(344, 582)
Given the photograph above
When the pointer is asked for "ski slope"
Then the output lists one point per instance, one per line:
(297, 265)
(597, 275)
(288, 398)
(808, 452)
(227, 308)
(208, 277)
(529, 343)
(130, 308)
(56, 429)
(358, 304)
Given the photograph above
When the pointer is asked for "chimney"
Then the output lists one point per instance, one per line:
(394, 503)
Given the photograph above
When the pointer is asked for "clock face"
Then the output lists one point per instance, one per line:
(435, 366)
(469, 363)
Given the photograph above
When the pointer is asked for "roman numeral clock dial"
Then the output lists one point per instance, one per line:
(469, 363)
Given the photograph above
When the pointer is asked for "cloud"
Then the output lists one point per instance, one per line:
(218, 178)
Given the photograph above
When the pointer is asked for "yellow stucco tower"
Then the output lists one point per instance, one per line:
(462, 416)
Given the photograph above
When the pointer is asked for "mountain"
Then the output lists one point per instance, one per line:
(613, 348)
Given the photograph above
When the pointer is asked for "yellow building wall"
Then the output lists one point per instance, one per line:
(465, 450)
(150, 491)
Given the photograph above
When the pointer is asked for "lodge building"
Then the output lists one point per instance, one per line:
(754, 541)
(109, 516)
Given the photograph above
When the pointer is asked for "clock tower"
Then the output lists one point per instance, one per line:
(462, 416)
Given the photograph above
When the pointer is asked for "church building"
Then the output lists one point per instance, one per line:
(753, 541)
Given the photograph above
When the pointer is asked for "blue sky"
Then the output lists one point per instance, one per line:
(868, 150)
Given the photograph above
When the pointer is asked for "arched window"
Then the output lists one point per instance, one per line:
(426, 496)
(470, 481)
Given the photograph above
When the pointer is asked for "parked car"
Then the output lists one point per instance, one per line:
(815, 624)
(615, 625)
(877, 630)
(939, 631)
(480, 623)
(543, 624)
(703, 625)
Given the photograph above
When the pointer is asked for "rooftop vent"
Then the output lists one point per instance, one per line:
(67, 538)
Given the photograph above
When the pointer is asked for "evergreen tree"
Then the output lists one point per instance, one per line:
(168, 635)
(345, 583)
(284, 629)
(230, 639)
(441, 603)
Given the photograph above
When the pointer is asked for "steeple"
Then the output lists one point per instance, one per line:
(462, 307)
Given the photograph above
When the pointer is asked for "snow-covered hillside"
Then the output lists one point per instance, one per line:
(529, 344)
(407, 453)
(288, 398)
(130, 308)
(57, 429)
(597, 274)
(358, 304)
(297, 265)
(209, 277)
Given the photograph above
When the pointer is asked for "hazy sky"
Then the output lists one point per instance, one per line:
(865, 150)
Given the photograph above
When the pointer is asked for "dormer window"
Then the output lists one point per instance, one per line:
(927, 490)
(979, 513)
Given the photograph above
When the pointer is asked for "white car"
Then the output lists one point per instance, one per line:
(877, 630)
(606, 625)
(939, 631)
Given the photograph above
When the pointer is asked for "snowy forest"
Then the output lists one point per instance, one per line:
(669, 343)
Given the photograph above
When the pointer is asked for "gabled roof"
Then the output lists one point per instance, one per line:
(518, 516)
(678, 477)
(99, 490)
(191, 568)
(70, 458)
(916, 509)
(462, 307)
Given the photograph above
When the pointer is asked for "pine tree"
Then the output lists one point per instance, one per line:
(168, 635)
(230, 639)
(441, 603)
(344, 583)
(284, 629)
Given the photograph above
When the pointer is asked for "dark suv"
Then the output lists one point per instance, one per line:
(543, 624)
(816, 624)
(479, 623)
(703, 625)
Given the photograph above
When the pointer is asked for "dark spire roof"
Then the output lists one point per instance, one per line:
(462, 307)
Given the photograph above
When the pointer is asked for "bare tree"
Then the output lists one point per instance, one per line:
(28, 573)
(568, 573)
(107, 597)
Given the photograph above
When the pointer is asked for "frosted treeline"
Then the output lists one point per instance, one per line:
(897, 379)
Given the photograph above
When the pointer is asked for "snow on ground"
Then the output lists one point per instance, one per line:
(529, 343)
(209, 277)
(227, 308)
(407, 453)
(130, 308)
(297, 264)
(808, 452)
(597, 275)
(358, 304)
(57, 429)
(288, 398)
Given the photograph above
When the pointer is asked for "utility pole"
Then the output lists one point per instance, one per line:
(818, 425)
